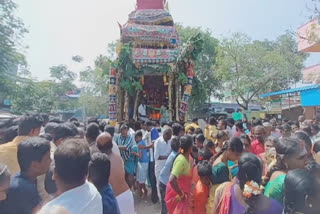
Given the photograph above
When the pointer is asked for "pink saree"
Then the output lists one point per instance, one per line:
(224, 199)
(174, 205)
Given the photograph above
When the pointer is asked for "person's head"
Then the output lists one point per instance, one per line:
(204, 154)
(30, 125)
(71, 164)
(45, 118)
(294, 128)
(257, 122)
(4, 182)
(81, 132)
(316, 151)
(291, 154)
(143, 125)
(110, 130)
(205, 172)
(34, 156)
(222, 125)
(315, 130)
(195, 120)
(195, 153)
(175, 144)
(92, 132)
(198, 131)
(302, 136)
(124, 131)
(200, 140)
(104, 142)
(273, 123)
(301, 119)
(223, 135)
(149, 126)
(186, 143)
(232, 148)
(246, 142)
(209, 145)
(93, 120)
(99, 170)
(64, 131)
(250, 173)
(230, 122)
(259, 133)
(285, 130)
(213, 121)
(239, 126)
(306, 128)
(177, 130)
(191, 130)
(301, 193)
(50, 128)
(8, 134)
(270, 142)
(268, 128)
(138, 136)
(167, 134)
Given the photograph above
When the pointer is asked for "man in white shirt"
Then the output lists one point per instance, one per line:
(142, 111)
(75, 194)
(162, 149)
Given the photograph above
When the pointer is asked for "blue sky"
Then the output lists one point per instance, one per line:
(60, 29)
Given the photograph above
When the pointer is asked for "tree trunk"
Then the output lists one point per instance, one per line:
(136, 102)
(245, 105)
(126, 106)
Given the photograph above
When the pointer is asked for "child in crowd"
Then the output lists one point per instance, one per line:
(4, 182)
(200, 140)
(131, 166)
(201, 193)
(210, 145)
(99, 172)
(143, 164)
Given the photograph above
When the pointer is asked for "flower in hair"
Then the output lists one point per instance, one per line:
(200, 158)
(251, 188)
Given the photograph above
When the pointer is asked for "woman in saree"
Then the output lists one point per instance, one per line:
(179, 185)
(269, 156)
(245, 196)
(291, 154)
(221, 173)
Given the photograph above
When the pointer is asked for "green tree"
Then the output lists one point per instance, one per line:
(33, 96)
(250, 67)
(206, 83)
(94, 93)
(12, 31)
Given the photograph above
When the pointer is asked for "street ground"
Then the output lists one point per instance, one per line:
(145, 206)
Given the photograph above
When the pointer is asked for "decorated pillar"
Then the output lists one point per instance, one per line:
(187, 93)
(113, 97)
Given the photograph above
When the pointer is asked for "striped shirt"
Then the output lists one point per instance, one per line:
(128, 142)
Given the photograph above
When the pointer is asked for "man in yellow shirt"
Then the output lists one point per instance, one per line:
(211, 130)
(194, 124)
(29, 126)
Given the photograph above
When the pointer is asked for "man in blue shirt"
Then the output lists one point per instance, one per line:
(165, 172)
(143, 164)
(34, 160)
(151, 136)
(99, 173)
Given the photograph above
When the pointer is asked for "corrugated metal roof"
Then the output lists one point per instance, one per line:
(289, 91)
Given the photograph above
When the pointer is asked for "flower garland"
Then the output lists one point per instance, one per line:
(251, 188)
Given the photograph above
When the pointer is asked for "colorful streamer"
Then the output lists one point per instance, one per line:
(113, 97)
(187, 93)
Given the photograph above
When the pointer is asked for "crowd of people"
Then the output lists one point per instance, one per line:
(260, 166)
